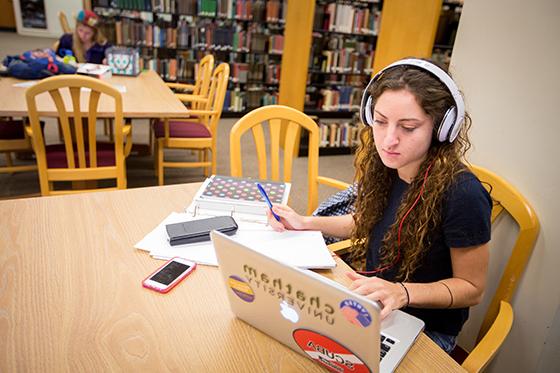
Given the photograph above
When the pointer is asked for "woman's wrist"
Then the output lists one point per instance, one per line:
(307, 223)
(406, 295)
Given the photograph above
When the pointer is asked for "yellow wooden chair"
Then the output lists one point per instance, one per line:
(498, 319)
(278, 116)
(199, 91)
(499, 315)
(81, 158)
(64, 25)
(14, 139)
(199, 133)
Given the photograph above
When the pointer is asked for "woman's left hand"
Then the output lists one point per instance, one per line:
(391, 295)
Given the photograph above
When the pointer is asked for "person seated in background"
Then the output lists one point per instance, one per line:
(86, 43)
(421, 224)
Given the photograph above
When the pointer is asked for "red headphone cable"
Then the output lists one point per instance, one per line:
(400, 228)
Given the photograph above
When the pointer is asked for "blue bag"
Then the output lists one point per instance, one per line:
(37, 64)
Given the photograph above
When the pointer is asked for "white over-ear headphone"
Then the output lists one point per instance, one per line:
(452, 121)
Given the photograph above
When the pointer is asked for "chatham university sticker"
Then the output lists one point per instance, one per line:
(328, 352)
(241, 288)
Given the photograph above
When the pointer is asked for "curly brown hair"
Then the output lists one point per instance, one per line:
(375, 180)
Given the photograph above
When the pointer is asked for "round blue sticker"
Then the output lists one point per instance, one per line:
(355, 313)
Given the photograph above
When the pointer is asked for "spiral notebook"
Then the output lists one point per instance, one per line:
(237, 197)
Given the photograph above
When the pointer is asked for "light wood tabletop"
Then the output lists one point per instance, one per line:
(146, 96)
(71, 297)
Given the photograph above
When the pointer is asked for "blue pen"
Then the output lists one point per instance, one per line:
(267, 200)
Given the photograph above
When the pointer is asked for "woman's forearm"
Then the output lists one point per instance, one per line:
(448, 293)
(336, 226)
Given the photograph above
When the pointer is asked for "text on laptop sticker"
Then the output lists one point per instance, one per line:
(328, 352)
(286, 292)
(241, 288)
(355, 313)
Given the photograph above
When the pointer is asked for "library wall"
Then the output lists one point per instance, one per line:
(505, 59)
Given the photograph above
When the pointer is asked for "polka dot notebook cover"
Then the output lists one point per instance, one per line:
(237, 195)
(241, 189)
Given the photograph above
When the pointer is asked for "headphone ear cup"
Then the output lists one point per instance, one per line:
(446, 125)
(367, 112)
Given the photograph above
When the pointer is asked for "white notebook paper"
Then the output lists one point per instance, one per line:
(304, 249)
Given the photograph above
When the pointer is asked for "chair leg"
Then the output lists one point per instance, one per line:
(205, 159)
(60, 134)
(9, 159)
(108, 129)
(151, 142)
(160, 163)
(156, 166)
(214, 165)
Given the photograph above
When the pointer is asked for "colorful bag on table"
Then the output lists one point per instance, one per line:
(123, 61)
(37, 64)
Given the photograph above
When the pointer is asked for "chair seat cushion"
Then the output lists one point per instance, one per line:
(11, 129)
(56, 155)
(182, 129)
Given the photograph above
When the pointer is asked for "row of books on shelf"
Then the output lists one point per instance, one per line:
(342, 98)
(183, 68)
(346, 61)
(258, 72)
(347, 18)
(344, 134)
(256, 10)
(188, 35)
(326, 80)
(337, 41)
(238, 100)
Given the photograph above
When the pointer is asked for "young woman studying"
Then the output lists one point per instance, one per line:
(421, 225)
(86, 43)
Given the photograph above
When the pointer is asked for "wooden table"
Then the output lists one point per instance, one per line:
(71, 297)
(146, 96)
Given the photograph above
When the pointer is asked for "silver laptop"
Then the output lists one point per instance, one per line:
(313, 315)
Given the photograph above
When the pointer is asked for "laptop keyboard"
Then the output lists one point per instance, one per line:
(386, 344)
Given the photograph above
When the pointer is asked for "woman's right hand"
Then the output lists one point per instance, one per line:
(289, 219)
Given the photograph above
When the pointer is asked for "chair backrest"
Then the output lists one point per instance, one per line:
(508, 199)
(76, 98)
(280, 118)
(64, 23)
(498, 319)
(216, 96)
(204, 72)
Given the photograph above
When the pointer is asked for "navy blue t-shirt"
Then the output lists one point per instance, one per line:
(465, 222)
(95, 54)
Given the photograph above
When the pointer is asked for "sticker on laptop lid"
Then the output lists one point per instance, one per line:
(355, 313)
(241, 288)
(328, 352)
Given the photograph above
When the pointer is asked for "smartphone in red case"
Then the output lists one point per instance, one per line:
(169, 275)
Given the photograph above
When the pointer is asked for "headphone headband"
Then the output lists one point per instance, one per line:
(453, 118)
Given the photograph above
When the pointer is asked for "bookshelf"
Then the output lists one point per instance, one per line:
(446, 31)
(344, 37)
(423, 28)
(172, 35)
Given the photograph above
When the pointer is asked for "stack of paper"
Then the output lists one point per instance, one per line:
(95, 70)
(304, 249)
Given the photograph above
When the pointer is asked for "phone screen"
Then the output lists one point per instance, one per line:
(169, 273)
